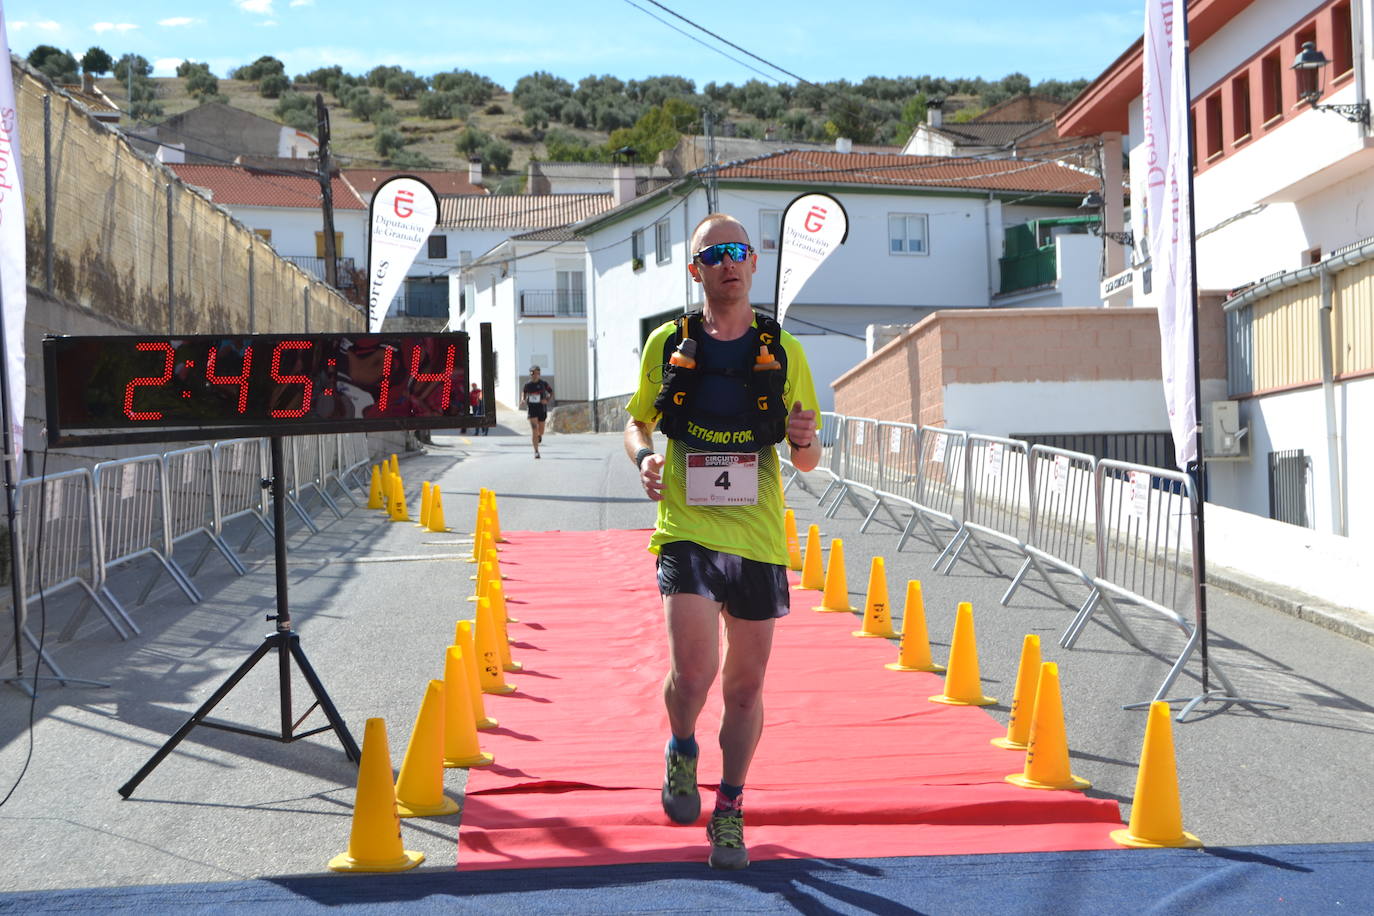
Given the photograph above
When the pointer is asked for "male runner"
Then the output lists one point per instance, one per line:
(537, 395)
(719, 561)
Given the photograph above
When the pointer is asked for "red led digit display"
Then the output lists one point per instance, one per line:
(103, 387)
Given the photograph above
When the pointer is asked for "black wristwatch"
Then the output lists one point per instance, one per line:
(641, 455)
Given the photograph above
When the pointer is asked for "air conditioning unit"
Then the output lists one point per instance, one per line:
(1226, 437)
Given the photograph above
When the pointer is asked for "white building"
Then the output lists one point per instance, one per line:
(924, 234)
(1284, 204)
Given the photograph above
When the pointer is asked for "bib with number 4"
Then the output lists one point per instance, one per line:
(531, 399)
(722, 478)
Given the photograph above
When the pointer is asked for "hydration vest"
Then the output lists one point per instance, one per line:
(764, 377)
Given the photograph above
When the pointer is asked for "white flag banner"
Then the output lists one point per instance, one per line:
(13, 271)
(1168, 215)
(812, 226)
(403, 213)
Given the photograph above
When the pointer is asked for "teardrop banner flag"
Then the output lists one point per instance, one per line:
(403, 213)
(812, 226)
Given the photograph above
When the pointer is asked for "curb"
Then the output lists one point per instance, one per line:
(1349, 622)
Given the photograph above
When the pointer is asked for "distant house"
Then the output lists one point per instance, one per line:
(446, 183)
(587, 177)
(925, 233)
(285, 209)
(100, 105)
(217, 133)
(696, 152)
(1021, 122)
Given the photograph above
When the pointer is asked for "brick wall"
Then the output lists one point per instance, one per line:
(904, 381)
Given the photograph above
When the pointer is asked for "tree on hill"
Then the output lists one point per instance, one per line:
(96, 61)
(470, 88)
(263, 66)
(54, 63)
(298, 110)
(137, 62)
(659, 129)
(200, 82)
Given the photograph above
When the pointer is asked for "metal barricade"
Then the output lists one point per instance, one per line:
(131, 509)
(313, 460)
(334, 469)
(938, 497)
(860, 459)
(900, 467)
(996, 500)
(60, 547)
(354, 460)
(240, 467)
(1063, 518)
(829, 432)
(190, 479)
(292, 481)
(1146, 542)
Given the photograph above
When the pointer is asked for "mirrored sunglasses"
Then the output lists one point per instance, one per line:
(714, 254)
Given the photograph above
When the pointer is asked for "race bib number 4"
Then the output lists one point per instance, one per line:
(722, 479)
(532, 399)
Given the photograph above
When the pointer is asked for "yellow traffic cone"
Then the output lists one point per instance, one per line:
(963, 685)
(481, 543)
(375, 497)
(483, 577)
(1047, 752)
(813, 576)
(436, 510)
(496, 594)
(489, 556)
(835, 598)
(399, 512)
(489, 665)
(1017, 737)
(463, 638)
(386, 488)
(426, 500)
(1156, 817)
(420, 786)
(460, 732)
(374, 843)
(877, 612)
(913, 653)
(395, 465)
(794, 557)
(477, 531)
(496, 537)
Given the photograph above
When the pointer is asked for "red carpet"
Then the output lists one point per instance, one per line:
(854, 762)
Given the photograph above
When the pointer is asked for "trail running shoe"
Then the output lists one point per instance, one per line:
(681, 798)
(726, 833)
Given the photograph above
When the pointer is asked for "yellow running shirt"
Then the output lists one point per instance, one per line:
(751, 531)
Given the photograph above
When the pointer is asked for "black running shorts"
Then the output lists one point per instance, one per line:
(750, 590)
(538, 412)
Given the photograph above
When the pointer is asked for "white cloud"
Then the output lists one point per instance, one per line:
(176, 21)
(260, 7)
(268, 23)
(166, 66)
(302, 2)
(113, 27)
(44, 25)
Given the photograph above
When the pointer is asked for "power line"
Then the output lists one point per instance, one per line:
(727, 41)
(700, 42)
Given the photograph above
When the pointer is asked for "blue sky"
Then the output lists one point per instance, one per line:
(819, 41)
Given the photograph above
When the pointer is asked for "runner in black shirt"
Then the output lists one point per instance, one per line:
(537, 396)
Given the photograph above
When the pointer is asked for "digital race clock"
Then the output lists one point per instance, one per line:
(157, 389)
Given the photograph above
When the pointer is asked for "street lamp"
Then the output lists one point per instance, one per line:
(1095, 202)
(1309, 58)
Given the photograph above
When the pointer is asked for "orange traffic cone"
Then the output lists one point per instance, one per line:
(835, 598)
(489, 665)
(460, 732)
(374, 843)
(813, 570)
(794, 556)
(1017, 737)
(913, 653)
(420, 786)
(426, 501)
(375, 498)
(436, 510)
(877, 612)
(1047, 752)
(963, 685)
(1156, 817)
(463, 638)
(496, 594)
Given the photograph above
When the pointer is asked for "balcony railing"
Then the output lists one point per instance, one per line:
(553, 303)
(315, 267)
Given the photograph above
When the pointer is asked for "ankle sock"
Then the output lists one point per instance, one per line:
(729, 797)
(687, 747)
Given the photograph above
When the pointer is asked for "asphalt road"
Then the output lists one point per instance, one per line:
(372, 600)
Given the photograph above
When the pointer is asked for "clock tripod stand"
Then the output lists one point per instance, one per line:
(285, 642)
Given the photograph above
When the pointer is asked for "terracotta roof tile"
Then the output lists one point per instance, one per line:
(519, 211)
(232, 184)
(818, 167)
(444, 181)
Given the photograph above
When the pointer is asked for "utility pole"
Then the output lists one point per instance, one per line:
(331, 256)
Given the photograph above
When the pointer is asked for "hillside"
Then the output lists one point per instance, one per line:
(542, 110)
